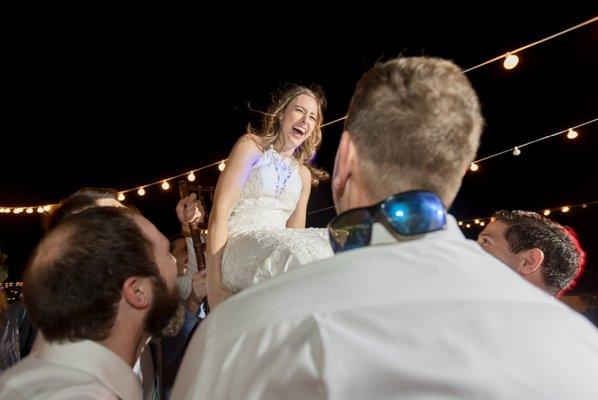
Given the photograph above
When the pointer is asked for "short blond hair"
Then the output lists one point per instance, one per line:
(416, 123)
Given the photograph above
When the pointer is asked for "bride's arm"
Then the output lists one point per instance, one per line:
(297, 219)
(244, 154)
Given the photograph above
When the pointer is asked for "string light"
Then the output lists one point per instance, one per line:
(571, 134)
(121, 194)
(511, 61)
(28, 210)
(191, 176)
(527, 46)
(546, 212)
(476, 221)
(569, 131)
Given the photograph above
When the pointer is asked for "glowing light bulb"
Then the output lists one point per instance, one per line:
(474, 167)
(191, 176)
(516, 151)
(546, 213)
(221, 166)
(565, 209)
(165, 185)
(571, 134)
(141, 191)
(121, 197)
(511, 61)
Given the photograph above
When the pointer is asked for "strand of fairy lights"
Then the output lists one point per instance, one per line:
(482, 221)
(510, 61)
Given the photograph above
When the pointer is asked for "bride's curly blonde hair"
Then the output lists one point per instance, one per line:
(270, 130)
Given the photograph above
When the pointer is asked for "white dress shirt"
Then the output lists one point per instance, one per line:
(430, 318)
(80, 370)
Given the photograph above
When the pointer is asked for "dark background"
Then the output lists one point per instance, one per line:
(126, 100)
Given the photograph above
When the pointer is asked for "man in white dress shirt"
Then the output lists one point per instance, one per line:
(99, 286)
(425, 317)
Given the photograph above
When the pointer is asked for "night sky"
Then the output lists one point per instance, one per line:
(127, 101)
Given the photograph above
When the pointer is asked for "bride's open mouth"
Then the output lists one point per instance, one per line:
(298, 131)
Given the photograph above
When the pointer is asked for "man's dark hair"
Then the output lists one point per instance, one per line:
(78, 201)
(73, 282)
(563, 256)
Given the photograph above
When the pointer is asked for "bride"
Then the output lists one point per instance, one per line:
(257, 224)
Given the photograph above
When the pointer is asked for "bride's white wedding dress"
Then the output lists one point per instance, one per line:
(259, 244)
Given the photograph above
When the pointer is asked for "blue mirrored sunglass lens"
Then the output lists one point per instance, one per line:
(415, 213)
(350, 230)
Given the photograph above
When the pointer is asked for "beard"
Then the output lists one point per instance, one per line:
(167, 313)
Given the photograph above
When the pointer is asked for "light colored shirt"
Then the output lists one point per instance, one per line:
(184, 283)
(145, 371)
(80, 370)
(431, 318)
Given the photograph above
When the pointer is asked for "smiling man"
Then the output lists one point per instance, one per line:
(540, 250)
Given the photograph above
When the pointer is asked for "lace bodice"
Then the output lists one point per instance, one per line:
(270, 194)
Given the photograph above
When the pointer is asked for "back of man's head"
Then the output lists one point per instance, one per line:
(416, 123)
(563, 256)
(78, 201)
(73, 283)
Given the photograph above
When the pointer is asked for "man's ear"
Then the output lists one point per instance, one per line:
(137, 292)
(342, 163)
(531, 261)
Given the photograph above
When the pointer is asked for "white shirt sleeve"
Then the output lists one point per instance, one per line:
(191, 259)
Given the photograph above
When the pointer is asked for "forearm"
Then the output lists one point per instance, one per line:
(296, 221)
(192, 305)
(217, 238)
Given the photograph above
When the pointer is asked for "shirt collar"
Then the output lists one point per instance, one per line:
(98, 361)
(380, 235)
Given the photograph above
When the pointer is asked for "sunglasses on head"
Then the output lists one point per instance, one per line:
(409, 214)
